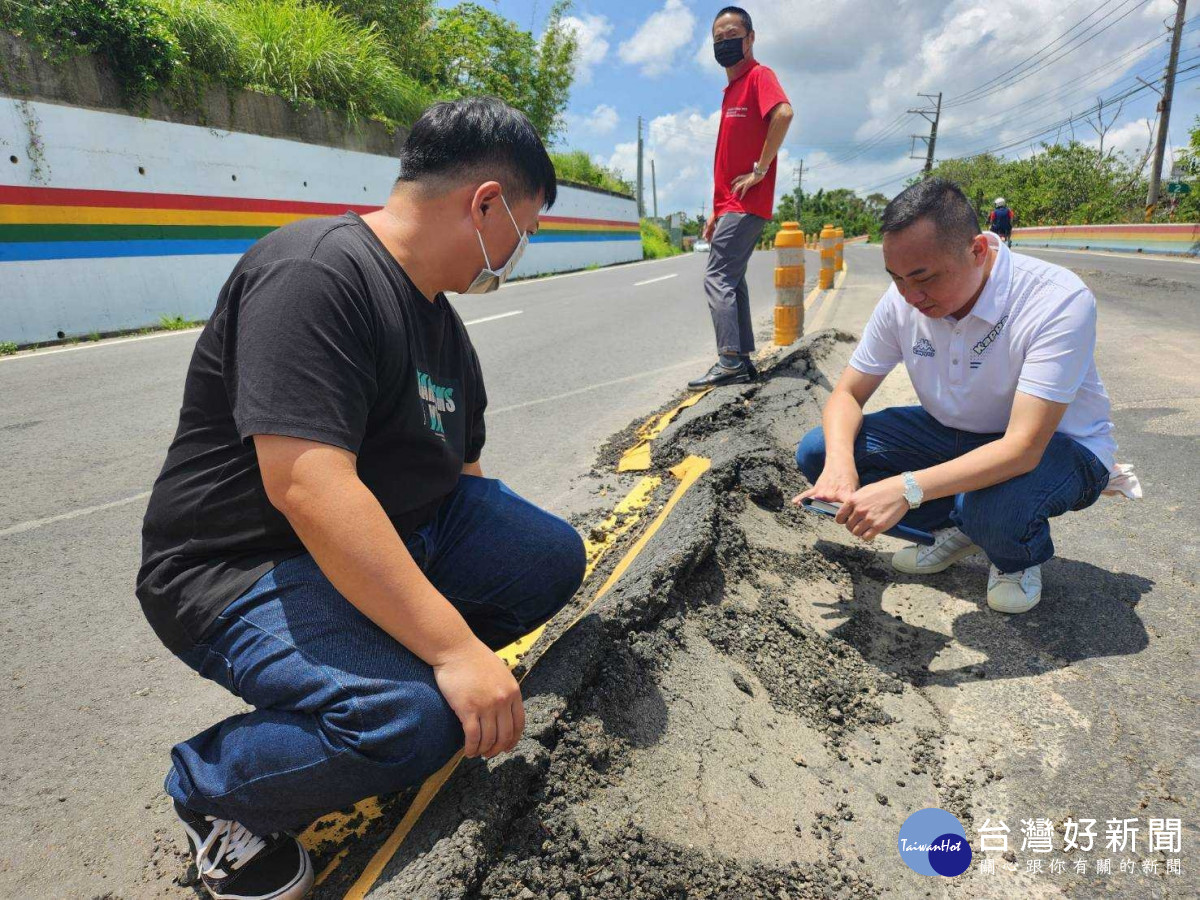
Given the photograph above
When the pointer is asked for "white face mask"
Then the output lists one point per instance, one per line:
(489, 279)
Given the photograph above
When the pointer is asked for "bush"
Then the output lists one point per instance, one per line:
(655, 243)
(577, 166)
(132, 35)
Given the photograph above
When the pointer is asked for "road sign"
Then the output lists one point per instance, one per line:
(1178, 188)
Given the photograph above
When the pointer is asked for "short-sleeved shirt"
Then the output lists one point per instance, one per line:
(1033, 330)
(318, 334)
(743, 131)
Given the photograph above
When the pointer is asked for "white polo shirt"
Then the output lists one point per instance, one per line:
(1033, 329)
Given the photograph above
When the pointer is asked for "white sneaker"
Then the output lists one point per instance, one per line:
(1014, 592)
(949, 546)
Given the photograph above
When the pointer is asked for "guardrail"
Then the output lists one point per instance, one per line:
(1172, 239)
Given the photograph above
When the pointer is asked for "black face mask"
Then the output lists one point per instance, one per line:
(729, 52)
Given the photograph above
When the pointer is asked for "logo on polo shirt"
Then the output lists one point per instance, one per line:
(924, 348)
(737, 112)
(986, 341)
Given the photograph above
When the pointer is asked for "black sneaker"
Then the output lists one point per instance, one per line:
(719, 375)
(237, 865)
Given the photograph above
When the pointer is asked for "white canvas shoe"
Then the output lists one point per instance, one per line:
(949, 546)
(1014, 592)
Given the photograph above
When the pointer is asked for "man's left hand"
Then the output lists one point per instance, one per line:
(873, 509)
(743, 183)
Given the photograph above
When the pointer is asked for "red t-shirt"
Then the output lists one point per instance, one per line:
(748, 101)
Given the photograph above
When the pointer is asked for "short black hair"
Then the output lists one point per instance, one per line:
(479, 135)
(737, 11)
(937, 199)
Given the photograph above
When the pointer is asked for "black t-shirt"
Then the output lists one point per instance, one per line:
(317, 334)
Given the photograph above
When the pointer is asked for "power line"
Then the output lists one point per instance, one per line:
(965, 96)
(998, 86)
(1058, 123)
(1079, 116)
(1068, 90)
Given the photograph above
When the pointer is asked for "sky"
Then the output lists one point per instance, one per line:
(852, 69)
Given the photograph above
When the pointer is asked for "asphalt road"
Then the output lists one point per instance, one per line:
(92, 702)
(1093, 698)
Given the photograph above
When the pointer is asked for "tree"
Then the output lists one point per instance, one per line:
(1189, 163)
(1061, 184)
(404, 26)
(476, 51)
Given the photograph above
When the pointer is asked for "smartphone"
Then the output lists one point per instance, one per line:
(825, 508)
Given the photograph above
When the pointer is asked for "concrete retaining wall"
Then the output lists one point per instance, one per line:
(1176, 240)
(109, 221)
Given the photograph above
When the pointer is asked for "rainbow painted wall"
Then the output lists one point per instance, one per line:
(1173, 239)
(38, 223)
(110, 221)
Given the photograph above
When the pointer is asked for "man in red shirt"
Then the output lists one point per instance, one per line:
(755, 116)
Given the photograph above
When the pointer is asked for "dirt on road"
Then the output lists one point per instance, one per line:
(760, 702)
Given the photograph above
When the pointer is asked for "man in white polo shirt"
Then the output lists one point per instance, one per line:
(1013, 427)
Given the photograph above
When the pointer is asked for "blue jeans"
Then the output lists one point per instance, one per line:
(1010, 520)
(342, 710)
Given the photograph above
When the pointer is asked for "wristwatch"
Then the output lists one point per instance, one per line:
(759, 170)
(912, 491)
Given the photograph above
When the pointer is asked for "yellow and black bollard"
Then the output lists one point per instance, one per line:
(789, 284)
(838, 249)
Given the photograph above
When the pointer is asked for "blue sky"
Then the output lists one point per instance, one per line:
(853, 67)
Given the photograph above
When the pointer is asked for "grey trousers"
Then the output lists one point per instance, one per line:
(733, 241)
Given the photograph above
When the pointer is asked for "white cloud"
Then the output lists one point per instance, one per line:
(590, 36)
(603, 120)
(654, 45)
(851, 96)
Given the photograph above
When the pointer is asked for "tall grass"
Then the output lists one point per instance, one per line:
(309, 53)
(577, 166)
(208, 34)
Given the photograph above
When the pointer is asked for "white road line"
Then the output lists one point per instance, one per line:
(62, 517)
(617, 267)
(603, 384)
(515, 312)
(38, 354)
(659, 278)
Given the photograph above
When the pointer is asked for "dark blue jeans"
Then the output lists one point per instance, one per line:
(342, 710)
(1010, 520)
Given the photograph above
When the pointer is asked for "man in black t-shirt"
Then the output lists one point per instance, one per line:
(321, 540)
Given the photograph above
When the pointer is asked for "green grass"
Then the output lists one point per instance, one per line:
(655, 243)
(7, 348)
(577, 166)
(177, 323)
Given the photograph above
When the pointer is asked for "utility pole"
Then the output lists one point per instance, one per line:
(931, 140)
(654, 187)
(1164, 111)
(799, 173)
(641, 205)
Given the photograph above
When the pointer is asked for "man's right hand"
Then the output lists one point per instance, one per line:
(710, 227)
(485, 697)
(836, 484)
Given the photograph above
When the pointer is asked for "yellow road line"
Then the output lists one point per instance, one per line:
(637, 457)
(335, 828)
(688, 472)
